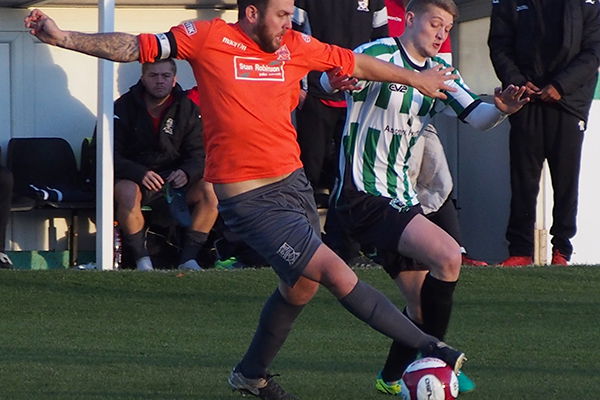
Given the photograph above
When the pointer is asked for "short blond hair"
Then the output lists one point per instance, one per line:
(419, 6)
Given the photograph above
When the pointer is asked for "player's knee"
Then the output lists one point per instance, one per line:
(127, 194)
(202, 194)
(301, 293)
(449, 265)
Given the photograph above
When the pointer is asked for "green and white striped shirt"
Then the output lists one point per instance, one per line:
(385, 120)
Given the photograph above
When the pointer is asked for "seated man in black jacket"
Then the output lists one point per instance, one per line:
(159, 151)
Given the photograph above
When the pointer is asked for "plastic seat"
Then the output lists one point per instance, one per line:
(49, 162)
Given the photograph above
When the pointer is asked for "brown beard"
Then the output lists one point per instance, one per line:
(264, 41)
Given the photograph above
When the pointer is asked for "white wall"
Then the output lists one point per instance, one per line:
(49, 91)
(585, 243)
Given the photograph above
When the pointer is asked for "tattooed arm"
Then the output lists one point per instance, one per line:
(121, 47)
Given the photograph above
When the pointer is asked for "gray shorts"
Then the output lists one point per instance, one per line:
(279, 221)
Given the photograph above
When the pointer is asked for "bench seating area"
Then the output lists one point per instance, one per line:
(46, 176)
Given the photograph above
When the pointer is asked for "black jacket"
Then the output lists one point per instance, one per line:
(517, 49)
(345, 23)
(178, 145)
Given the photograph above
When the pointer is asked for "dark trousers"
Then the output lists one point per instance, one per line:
(6, 189)
(542, 131)
(320, 129)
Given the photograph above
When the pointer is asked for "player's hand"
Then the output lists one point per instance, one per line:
(153, 181)
(433, 81)
(511, 99)
(550, 94)
(301, 99)
(340, 81)
(178, 178)
(531, 90)
(43, 27)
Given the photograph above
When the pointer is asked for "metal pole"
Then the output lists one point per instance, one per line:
(104, 147)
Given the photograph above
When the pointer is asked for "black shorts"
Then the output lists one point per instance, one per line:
(279, 221)
(378, 222)
(149, 196)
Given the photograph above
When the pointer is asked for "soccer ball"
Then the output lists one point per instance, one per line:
(429, 379)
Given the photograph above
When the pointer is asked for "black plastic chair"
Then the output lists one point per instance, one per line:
(19, 203)
(22, 203)
(50, 162)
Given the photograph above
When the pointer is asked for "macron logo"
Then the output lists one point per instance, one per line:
(235, 44)
(590, 2)
(522, 8)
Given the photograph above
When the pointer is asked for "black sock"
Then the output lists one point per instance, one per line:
(274, 325)
(192, 244)
(436, 305)
(399, 357)
(136, 243)
(371, 306)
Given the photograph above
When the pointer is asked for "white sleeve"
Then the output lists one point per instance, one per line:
(485, 116)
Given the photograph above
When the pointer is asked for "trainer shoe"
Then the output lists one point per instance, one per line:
(230, 263)
(465, 384)
(190, 265)
(559, 258)
(517, 261)
(263, 388)
(466, 260)
(144, 264)
(454, 358)
(361, 261)
(5, 262)
(394, 388)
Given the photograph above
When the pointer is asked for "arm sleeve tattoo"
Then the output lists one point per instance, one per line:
(121, 47)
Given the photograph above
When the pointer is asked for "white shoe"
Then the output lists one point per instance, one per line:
(190, 265)
(144, 264)
(5, 261)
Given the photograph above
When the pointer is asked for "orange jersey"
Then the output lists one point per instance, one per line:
(246, 95)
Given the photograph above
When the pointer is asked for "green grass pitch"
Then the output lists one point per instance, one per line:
(529, 333)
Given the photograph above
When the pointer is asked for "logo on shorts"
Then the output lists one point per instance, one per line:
(288, 253)
(190, 28)
(399, 205)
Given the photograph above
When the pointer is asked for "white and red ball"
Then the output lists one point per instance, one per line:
(429, 379)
